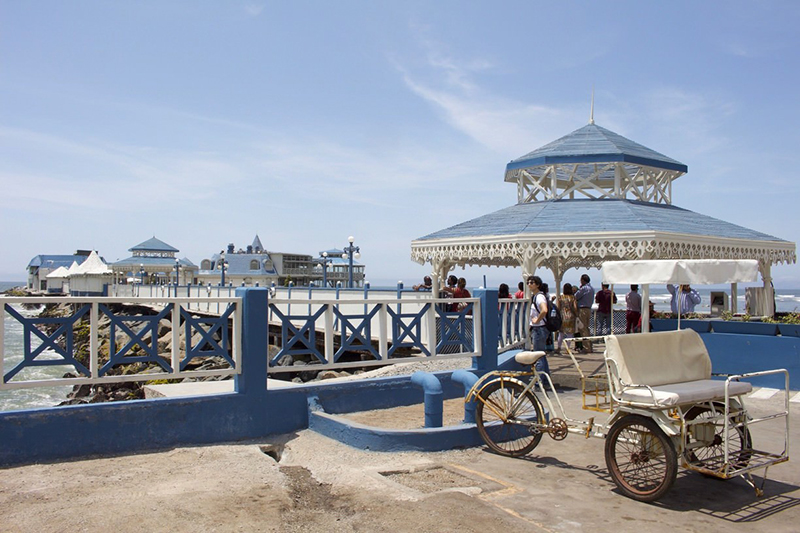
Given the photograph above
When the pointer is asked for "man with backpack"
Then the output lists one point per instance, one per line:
(539, 332)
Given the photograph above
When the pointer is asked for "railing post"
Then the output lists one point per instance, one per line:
(489, 326)
(252, 380)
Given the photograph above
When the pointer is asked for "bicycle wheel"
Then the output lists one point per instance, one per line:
(640, 458)
(504, 414)
(712, 455)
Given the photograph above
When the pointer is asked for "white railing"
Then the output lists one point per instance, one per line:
(35, 355)
(513, 326)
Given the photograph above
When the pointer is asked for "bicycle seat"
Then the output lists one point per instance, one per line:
(528, 358)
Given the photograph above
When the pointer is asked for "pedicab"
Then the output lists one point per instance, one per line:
(664, 407)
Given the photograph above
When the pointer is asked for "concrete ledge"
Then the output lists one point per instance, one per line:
(390, 440)
(202, 388)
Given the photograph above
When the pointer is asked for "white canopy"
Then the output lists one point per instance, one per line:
(60, 272)
(93, 265)
(679, 271)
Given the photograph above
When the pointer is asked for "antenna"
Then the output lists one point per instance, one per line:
(591, 111)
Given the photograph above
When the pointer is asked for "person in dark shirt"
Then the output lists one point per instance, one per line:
(603, 300)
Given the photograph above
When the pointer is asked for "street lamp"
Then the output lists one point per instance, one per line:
(222, 266)
(177, 271)
(141, 282)
(325, 261)
(349, 253)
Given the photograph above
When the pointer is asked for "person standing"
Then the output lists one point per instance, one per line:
(584, 297)
(687, 298)
(633, 309)
(603, 300)
(569, 312)
(538, 331)
(520, 294)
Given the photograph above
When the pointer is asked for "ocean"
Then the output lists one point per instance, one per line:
(785, 301)
(12, 355)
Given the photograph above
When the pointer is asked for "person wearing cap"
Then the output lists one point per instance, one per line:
(685, 297)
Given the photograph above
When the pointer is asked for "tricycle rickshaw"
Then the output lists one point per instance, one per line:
(663, 407)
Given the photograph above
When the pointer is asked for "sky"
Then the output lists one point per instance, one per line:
(205, 123)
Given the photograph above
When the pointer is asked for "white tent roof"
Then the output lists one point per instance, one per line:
(679, 271)
(73, 268)
(60, 272)
(92, 265)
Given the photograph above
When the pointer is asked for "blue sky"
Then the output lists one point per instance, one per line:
(204, 123)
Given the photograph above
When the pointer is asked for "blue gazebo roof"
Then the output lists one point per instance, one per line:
(595, 144)
(593, 216)
(153, 245)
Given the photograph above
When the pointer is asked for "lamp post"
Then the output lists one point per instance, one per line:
(177, 272)
(325, 261)
(141, 275)
(222, 266)
(351, 252)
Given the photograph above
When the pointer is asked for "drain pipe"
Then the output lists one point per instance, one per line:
(434, 397)
(468, 379)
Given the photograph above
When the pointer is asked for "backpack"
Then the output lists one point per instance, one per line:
(552, 318)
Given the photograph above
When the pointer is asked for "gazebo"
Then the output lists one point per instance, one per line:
(589, 197)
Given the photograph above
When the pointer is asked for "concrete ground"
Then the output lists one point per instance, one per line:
(307, 482)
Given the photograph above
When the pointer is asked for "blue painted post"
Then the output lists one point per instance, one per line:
(310, 295)
(338, 289)
(489, 328)
(252, 380)
(434, 397)
(468, 379)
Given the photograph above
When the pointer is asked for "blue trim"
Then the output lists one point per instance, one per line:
(595, 158)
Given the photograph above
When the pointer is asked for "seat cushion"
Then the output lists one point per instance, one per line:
(659, 358)
(528, 358)
(673, 394)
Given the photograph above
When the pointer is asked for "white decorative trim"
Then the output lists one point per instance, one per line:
(594, 180)
(590, 250)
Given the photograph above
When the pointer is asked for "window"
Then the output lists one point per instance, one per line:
(205, 264)
(254, 265)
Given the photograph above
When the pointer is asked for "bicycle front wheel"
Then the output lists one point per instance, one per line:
(640, 458)
(505, 414)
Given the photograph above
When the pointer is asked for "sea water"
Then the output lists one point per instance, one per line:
(13, 340)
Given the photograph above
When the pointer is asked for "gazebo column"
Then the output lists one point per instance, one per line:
(769, 292)
(734, 296)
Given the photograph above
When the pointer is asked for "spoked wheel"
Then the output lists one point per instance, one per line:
(640, 458)
(712, 433)
(504, 414)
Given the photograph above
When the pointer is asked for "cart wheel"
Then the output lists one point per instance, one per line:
(504, 416)
(712, 456)
(640, 458)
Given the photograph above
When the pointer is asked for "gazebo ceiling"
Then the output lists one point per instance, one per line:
(583, 233)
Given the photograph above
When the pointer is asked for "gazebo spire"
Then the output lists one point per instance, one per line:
(591, 109)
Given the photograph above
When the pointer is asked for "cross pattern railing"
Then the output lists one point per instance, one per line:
(371, 332)
(131, 340)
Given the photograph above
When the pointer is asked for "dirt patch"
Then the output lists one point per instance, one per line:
(439, 478)
(409, 416)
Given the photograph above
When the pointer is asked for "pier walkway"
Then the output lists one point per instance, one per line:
(306, 482)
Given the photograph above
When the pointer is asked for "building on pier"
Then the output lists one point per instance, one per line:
(256, 265)
(154, 262)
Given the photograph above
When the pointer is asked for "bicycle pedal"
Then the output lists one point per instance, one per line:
(589, 427)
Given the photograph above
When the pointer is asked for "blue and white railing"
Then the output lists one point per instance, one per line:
(132, 339)
(322, 330)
